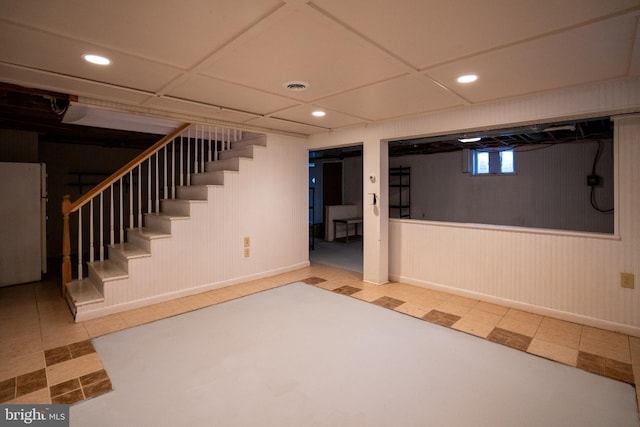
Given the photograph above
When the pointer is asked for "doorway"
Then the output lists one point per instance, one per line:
(336, 192)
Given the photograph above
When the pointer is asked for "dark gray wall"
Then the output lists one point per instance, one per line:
(548, 190)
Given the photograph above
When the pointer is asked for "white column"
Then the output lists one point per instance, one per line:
(375, 168)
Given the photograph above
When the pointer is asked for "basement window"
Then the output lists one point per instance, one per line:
(493, 162)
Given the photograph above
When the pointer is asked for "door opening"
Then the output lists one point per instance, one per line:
(335, 207)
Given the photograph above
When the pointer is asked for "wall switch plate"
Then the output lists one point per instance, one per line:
(247, 241)
(627, 280)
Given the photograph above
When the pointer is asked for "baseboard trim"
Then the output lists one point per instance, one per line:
(82, 316)
(557, 314)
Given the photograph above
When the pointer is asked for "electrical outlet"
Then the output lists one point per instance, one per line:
(627, 280)
(247, 241)
(246, 252)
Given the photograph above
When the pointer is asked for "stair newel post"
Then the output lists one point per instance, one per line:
(66, 243)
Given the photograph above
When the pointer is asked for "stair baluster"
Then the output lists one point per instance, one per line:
(121, 211)
(180, 166)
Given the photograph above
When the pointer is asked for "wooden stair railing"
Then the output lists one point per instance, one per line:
(68, 207)
(181, 155)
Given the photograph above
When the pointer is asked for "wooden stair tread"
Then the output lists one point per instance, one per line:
(108, 270)
(83, 292)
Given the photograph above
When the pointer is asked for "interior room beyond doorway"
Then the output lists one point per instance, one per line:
(335, 207)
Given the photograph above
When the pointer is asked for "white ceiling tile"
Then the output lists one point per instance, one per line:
(285, 126)
(179, 33)
(224, 94)
(304, 46)
(427, 33)
(364, 60)
(331, 120)
(197, 109)
(399, 97)
(580, 56)
(64, 84)
(63, 56)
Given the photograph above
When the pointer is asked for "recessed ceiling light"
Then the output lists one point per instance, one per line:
(474, 139)
(467, 78)
(97, 59)
(318, 113)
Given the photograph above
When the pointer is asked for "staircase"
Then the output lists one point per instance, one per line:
(185, 214)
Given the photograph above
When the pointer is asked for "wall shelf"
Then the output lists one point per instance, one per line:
(400, 192)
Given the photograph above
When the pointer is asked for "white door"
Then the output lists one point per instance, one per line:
(20, 223)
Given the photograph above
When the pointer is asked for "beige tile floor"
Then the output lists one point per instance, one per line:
(45, 357)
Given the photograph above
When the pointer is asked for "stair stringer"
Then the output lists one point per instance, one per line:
(206, 251)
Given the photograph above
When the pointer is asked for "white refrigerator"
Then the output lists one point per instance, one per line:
(23, 198)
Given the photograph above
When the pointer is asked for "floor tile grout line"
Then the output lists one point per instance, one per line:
(346, 279)
(485, 338)
(90, 339)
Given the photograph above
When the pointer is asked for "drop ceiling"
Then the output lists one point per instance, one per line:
(364, 61)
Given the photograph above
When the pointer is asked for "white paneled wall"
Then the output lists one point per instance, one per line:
(266, 200)
(571, 275)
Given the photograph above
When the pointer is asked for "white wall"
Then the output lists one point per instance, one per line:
(574, 276)
(548, 190)
(265, 201)
(571, 275)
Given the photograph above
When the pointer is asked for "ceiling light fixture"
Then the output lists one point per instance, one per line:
(318, 113)
(474, 139)
(96, 59)
(467, 78)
